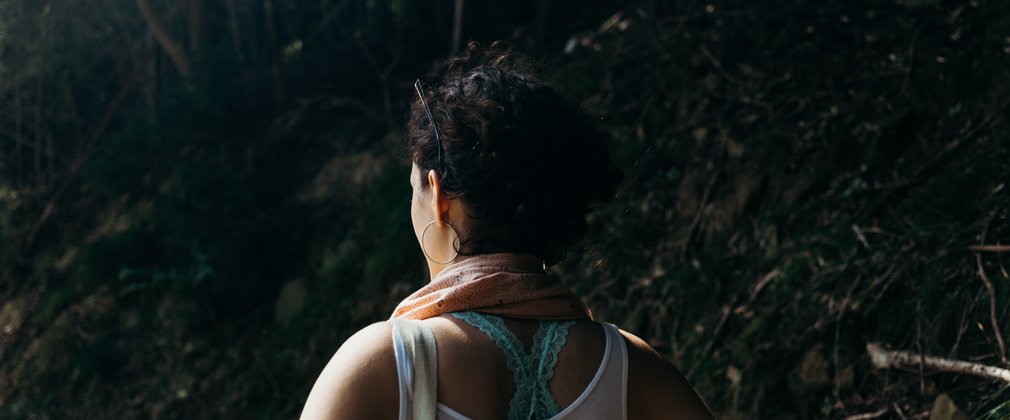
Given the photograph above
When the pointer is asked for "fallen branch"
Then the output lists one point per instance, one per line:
(868, 416)
(883, 359)
(989, 248)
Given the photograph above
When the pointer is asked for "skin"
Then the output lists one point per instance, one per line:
(430, 204)
(360, 381)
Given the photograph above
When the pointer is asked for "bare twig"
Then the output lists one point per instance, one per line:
(717, 64)
(992, 293)
(963, 325)
(861, 237)
(328, 18)
(911, 59)
(918, 346)
(868, 416)
(956, 143)
(767, 278)
(698, 216)
(9, 335)
(19, 142)
(726, 311)
(172, 48)
(992, 309)
(899, 411)
(883, 359)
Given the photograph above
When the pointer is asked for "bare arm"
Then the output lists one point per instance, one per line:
(657, 389)
(360, 381)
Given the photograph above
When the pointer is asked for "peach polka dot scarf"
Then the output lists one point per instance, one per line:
(504, 284)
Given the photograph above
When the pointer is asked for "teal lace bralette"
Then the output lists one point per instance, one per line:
(532, 399)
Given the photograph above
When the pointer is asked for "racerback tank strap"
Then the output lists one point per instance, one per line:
(420, 345)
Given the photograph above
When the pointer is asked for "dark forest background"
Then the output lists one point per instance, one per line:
(200, 200)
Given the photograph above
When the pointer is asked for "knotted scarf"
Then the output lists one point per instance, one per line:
(511, 285)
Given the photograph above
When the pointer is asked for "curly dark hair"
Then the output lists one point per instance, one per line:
(527, 160)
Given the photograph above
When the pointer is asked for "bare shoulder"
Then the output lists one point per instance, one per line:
(360, 381)
(656, 388)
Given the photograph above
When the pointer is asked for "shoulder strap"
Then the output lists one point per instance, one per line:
(420, 345)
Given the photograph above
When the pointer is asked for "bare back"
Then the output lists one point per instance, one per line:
(360, 380)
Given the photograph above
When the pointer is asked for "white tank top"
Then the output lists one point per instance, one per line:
(598, 401)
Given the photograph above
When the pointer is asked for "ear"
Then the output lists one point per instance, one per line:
(439, 204)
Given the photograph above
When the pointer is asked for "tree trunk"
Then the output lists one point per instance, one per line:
(457, 27)
(50, 169)
(233, 26)
(543, 17)
(39, 183)
(268, 9)
(151, 80)
(18, 158)
(197, 24)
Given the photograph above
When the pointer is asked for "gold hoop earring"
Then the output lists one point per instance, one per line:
(455, 242)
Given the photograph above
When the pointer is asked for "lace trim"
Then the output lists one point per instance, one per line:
(532, 399)
(556, 337)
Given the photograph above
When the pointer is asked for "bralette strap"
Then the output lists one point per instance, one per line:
(532, 399)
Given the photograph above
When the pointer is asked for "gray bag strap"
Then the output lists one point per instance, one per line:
(420, 345)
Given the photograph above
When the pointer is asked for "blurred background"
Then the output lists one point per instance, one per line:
(201, 200)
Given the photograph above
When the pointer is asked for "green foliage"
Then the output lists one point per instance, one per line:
(800, 181)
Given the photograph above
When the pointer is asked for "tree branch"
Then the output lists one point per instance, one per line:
(172, 48)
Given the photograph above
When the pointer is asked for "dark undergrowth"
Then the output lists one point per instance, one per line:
(801, 181)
